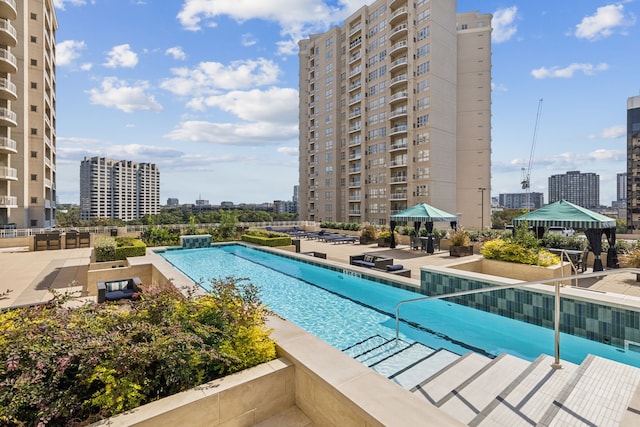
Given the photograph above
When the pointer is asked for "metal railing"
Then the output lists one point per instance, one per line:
(557, 283)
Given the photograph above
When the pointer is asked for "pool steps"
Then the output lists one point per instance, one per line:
(507, 390)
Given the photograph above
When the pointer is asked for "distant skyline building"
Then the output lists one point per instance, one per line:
(633, 163)
(395, 110)
(621, 187)
(582, 189)
(28, 113)
(118, 189)
(173, 201)
(521, 200)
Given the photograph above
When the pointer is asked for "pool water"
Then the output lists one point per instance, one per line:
(344, 309)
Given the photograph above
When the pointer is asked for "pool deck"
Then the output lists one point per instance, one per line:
(30, 275)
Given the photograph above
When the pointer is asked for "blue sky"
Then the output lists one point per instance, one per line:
(208, 90)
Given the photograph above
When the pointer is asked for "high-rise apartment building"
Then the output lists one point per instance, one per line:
(395, 110)
(521, 200)
(633, 163)
(27, 113)
(582, 189)
(118, 189)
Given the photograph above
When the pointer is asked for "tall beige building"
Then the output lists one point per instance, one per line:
(395, 110)
(27, 113)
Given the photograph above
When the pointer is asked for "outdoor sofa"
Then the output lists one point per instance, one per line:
(370, 261)
(114, 290)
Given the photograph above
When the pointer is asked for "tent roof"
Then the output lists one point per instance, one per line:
(424, 213)
(565, 214)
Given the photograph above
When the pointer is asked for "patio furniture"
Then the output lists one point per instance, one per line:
(114, 290)
(397, 269)
(370, 261)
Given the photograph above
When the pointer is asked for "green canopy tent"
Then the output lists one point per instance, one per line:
(566, 214)
(420, 213)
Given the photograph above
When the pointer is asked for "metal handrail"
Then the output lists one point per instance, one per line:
(555, 280)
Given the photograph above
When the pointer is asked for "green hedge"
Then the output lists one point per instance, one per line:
(134, 248)
(105, 249)
(267, 241)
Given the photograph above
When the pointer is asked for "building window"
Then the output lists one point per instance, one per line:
(34, 85)
(34, 39)
(34, 62)
(34, 177)
(34, 200)
(33, 108)
(34, 131)
(34, 223)
(34, 154)
(34, 16)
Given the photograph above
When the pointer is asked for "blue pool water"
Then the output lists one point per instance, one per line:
(343, 309)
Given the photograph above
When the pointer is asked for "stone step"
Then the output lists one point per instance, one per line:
(425, 368)
(436, 387)
(525, 401)
(365, 346)
(402, 359)
(600, 393)
(468, 400)
(382, 352)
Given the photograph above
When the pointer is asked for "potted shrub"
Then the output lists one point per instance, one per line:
(384, 238)
(631, 259)
(368, 235)
(460, 244)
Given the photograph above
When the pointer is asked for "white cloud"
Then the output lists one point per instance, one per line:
(296, 18)
(503, 24)
(603, 23)
(279, 105)
(241, 134)
(141, 152)
(68, 51)
(248, 39)
(121, 56)
(567, 72)
(176, 52)
(209, 77)
(61, 4)
(614, 132)
(118, 94)
(86, 66)
(290, 151)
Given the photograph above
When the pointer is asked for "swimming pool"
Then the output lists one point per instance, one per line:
(344, 309)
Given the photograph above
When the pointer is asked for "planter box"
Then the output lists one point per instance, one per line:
(511, 270)
(459, 251)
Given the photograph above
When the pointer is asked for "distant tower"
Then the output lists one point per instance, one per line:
(633, 164)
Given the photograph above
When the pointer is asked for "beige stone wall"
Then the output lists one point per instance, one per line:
(241, 399)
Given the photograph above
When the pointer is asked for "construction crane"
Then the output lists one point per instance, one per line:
(526, 173)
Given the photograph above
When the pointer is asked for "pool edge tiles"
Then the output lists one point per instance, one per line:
(581, 316)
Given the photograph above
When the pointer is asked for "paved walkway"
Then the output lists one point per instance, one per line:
(30, 275)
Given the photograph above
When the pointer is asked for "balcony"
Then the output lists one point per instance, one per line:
(8, 117)
(400, 30)
(355, 99)
(8, 174)
(8, 145)
(402, 78)
(47, 182)
(398, 112)
(403, 45)
(355, 169)
(8, 61)
(357, 70)
(398, 163)
(355, 156)
(355, 29)
(8, 202)
(401, 128)
(354, 212)
(355, 113)
(8, 90)
(399, 14)
(8, 33)
(399, 179)
(398, 63)
(355, 57)
(354, 183)
(398, 96)
(400, 145)
(8, 9)
(355, 85)
(400, 195)
(355, 198)
(355, 43)
(355, 128)
(355, 141)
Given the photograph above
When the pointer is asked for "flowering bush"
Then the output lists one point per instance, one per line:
(74, 366)
(509, 251)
